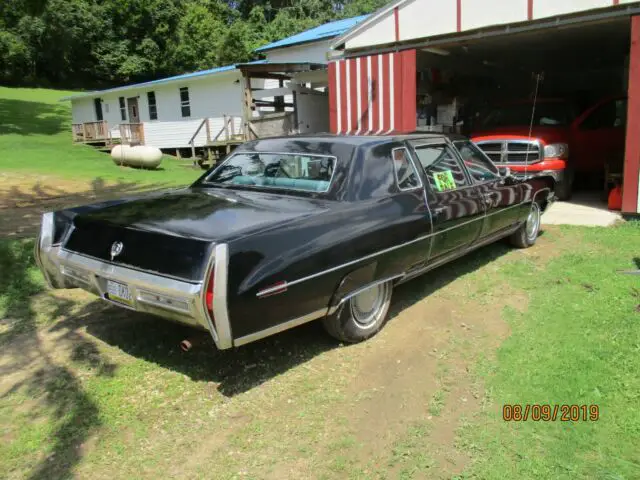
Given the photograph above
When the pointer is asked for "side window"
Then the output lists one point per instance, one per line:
(479, 166)
(610, 115)
(443, 170)
(406, 174)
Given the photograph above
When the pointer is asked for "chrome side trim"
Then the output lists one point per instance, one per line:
(266, 291)
(252, 337)
(355, 292)
(220, 310)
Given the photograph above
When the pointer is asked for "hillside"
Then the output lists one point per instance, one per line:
(35, 137)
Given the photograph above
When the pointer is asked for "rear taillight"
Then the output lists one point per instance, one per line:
(209, 293)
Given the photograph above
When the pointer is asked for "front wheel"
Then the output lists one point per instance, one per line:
(528, 232)
(361, 316)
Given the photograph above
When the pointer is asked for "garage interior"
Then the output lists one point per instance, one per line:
(459, 83)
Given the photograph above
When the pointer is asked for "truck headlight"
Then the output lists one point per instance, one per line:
(556, 150)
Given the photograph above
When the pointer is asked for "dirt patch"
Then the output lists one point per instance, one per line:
(24, 198)
(420, 374)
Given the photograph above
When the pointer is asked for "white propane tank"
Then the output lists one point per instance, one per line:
(144, 156)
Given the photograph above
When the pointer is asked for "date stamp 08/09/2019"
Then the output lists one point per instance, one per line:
(550, 413)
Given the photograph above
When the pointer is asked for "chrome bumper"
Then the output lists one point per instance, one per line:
(169, 298)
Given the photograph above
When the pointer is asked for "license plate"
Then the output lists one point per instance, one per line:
(119, 292)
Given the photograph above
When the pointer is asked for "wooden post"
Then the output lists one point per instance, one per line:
(248, 99)
(208, 128)
(84, 132)
(631, 175)
(141, 133)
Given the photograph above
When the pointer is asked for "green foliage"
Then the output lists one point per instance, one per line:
(100, 43)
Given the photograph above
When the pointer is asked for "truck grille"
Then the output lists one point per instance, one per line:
(512, 151)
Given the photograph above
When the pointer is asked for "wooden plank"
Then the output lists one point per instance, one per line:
(272, 92)
(208, 127)
(270, 76)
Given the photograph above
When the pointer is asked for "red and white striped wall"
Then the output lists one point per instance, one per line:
(374, 94)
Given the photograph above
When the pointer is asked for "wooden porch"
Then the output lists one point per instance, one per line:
(99, 133)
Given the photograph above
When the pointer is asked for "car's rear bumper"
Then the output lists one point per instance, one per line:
(170, 298)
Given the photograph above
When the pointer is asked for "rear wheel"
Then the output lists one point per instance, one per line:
(528, 232)
(361, 316)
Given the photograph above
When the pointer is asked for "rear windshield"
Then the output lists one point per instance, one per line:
(309, 173)
(519, 115)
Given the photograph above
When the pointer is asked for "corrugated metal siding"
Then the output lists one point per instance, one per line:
(173, 134)
(374, 94)
(419, 19)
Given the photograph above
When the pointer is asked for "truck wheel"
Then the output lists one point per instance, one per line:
(527, 234)
(362, 316)
(564, 190)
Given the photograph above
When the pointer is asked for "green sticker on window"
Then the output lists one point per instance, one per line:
(444, 180)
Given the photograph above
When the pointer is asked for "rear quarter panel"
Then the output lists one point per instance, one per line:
(314, 254)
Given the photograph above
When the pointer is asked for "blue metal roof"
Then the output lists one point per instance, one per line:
(185, 76)
(328, 30)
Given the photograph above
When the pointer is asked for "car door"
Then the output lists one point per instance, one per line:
(455, 203)
(599, 137)
(501, 198)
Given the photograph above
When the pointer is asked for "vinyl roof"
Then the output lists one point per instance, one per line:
(185, 76)
(328, 30)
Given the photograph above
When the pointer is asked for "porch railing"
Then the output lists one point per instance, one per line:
(90, 132)
(132, 133)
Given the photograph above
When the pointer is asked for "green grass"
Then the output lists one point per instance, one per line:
(87, 390)
(577, 343)
(35, 137)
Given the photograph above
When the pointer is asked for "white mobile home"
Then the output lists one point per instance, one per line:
(283, 94)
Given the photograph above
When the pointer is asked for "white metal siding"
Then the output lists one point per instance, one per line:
(378, 32)
(82, 111)
(548, 8)
(315, 52)
(173, 134)
(415, 20)
(477, 14)
(429, 18)
(313, 113)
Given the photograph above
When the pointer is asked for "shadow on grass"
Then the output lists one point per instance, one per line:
(20, 210)
(74, 415)
(238, 370)
(32, 118)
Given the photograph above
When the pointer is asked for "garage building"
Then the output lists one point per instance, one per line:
(540, 85)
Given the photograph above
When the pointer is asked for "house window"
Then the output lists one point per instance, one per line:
(153, 110)
(185, 105)
(123, 109)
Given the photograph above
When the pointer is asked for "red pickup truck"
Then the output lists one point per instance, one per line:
(561, 144)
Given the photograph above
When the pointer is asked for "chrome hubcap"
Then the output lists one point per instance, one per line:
(367, 306)
(533, 222)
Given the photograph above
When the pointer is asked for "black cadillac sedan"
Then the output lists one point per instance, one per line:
(294, 229)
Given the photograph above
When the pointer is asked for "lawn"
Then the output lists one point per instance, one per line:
(88, 390)
(35, 138)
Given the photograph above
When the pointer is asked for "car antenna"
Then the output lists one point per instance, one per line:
(539, 77)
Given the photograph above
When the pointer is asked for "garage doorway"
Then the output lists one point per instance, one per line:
(485, 88)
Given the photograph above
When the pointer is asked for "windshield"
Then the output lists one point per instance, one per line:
(309, 173)
(518, 115)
